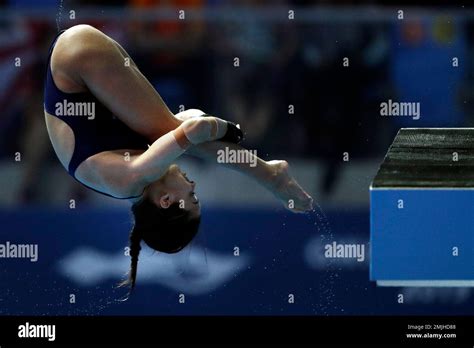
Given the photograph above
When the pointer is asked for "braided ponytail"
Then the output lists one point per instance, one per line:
(135, 248)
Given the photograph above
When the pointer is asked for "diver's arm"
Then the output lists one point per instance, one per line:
(209, 151)
(151, 165)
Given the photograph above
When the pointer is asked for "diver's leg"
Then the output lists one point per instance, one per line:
(86, 59)
(273, 175)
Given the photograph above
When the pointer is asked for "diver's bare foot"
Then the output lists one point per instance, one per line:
(287, 190)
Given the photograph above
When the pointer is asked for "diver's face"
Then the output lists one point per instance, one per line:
(175, 187)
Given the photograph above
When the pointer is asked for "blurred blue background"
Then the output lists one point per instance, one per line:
(283, 63)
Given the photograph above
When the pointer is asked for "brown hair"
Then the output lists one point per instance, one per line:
(166, 230)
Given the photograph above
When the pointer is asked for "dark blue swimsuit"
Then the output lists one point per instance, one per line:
(102, 133)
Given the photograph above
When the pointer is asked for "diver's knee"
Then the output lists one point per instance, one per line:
(190, 113)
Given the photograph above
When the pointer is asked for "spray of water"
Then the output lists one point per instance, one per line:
(327, 303)
(59, 15)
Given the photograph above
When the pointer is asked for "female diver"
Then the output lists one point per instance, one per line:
(114, 134)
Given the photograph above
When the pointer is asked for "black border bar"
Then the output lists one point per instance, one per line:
(132, 330)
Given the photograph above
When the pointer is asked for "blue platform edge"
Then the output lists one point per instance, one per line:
(418, 242)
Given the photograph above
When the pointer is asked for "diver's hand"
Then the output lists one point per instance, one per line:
(233, 133)
(220, 129)
(197, 130)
